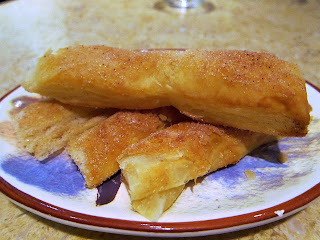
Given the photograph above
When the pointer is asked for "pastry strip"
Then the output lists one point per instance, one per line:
(242, 89)
(46, 126)
(166, 160)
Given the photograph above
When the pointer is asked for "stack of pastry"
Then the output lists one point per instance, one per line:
(234, 101)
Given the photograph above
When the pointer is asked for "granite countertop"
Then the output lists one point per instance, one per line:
(289, 28)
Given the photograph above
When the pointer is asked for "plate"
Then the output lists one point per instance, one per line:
(258, 190)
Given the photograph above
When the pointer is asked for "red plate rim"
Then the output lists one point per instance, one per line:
(263, 215)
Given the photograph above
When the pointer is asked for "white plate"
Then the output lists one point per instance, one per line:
(224, 201)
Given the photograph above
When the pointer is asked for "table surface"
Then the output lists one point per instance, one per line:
(288, 28)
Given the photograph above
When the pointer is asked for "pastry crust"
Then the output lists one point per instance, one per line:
(47, 126)
(246, 90)
(170, 158)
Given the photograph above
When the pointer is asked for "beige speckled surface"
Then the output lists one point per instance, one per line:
(288, 28)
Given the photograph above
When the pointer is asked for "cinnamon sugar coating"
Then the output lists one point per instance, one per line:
(247, 90)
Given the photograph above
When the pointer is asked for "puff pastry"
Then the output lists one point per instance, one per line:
(47, 126)
(247, 90)
(156, 168)
(95, 151)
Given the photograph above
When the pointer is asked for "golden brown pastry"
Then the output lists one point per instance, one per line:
(156, 168)
(242, 89)
(95, 151)
(46, 126)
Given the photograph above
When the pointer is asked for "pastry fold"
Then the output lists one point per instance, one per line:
(156, 168)
(242, 89)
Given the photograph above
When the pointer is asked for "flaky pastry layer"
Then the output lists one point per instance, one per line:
(95, 151)
(155, 168)
(246, 90)
(47, 126)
